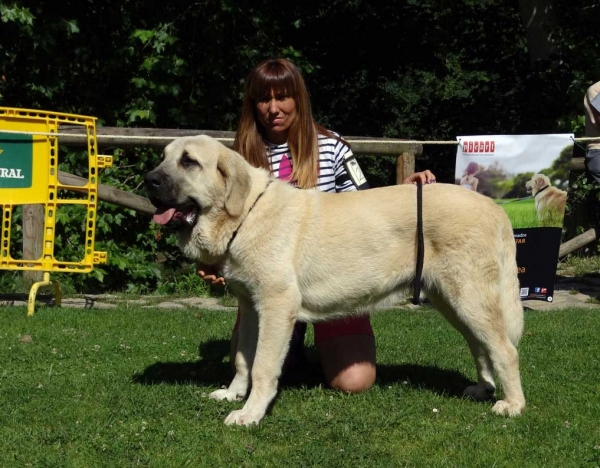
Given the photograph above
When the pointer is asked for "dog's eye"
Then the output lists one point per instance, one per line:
(186, 161)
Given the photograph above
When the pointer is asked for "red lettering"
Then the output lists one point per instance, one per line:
(485, 146)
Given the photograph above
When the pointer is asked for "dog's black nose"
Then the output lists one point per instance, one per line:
(153, 180)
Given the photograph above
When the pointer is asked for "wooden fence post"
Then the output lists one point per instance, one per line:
(405, 166)
(33, 236)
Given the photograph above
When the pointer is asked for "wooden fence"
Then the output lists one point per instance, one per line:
(406, 153)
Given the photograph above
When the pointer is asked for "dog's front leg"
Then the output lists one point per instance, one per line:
(244, 355)
(274, 334)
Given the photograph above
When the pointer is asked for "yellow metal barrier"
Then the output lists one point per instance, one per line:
(29, 158)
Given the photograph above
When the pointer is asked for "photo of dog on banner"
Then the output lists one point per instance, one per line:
(550, 201)
(528, 175)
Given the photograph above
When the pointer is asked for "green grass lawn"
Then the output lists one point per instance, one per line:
(522, 214)
(128, 386)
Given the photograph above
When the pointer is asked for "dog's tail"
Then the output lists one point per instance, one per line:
(511, 304)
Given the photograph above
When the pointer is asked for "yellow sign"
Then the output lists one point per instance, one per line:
(29, 175)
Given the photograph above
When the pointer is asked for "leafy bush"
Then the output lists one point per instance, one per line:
(445, 72)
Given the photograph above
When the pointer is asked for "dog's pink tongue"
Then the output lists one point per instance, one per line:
(163, 217)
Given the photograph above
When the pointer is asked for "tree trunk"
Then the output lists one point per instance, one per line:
(539, 20)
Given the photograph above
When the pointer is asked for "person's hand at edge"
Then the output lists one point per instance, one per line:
(425, 177)
(209, 273)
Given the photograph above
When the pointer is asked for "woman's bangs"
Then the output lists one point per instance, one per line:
(280, 84)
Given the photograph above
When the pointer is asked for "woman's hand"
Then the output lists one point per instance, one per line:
(425, 177)
(209, 274)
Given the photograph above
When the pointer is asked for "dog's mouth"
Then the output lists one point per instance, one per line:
(176, 217)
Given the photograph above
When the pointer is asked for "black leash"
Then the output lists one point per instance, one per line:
(420, 246)
(524, 198)
(242, 222)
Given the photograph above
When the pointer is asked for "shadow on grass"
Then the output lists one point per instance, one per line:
(588, 284)
(212, 369)
(11, 298)
(434, 379)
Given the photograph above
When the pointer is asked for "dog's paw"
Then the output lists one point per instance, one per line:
(243, 418)
(225, 394)
(505, 408)
(480, 392)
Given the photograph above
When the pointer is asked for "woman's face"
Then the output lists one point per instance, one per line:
(276, 113)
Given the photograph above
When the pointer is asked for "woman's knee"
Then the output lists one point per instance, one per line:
(357, 378)
(348, 362)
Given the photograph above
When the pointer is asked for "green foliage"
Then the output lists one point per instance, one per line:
(583, 209)
(15, 14)
(406, 69)
(580, 266)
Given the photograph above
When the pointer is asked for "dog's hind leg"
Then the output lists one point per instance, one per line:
(480, 319)
(244, 356)
(276, 322)
(485, 388)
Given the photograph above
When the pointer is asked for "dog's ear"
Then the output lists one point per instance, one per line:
(539, 182)
(237, 181)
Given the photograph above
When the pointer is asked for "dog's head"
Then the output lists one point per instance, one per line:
(198, 175)
(537, 183)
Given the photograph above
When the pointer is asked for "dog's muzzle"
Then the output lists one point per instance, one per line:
(169, 213)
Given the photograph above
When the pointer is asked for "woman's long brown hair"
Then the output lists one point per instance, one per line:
(283, 78)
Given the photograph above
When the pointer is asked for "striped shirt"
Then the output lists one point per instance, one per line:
(333, 176)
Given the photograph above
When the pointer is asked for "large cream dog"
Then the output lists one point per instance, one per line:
(549, 200)
(290, 254)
